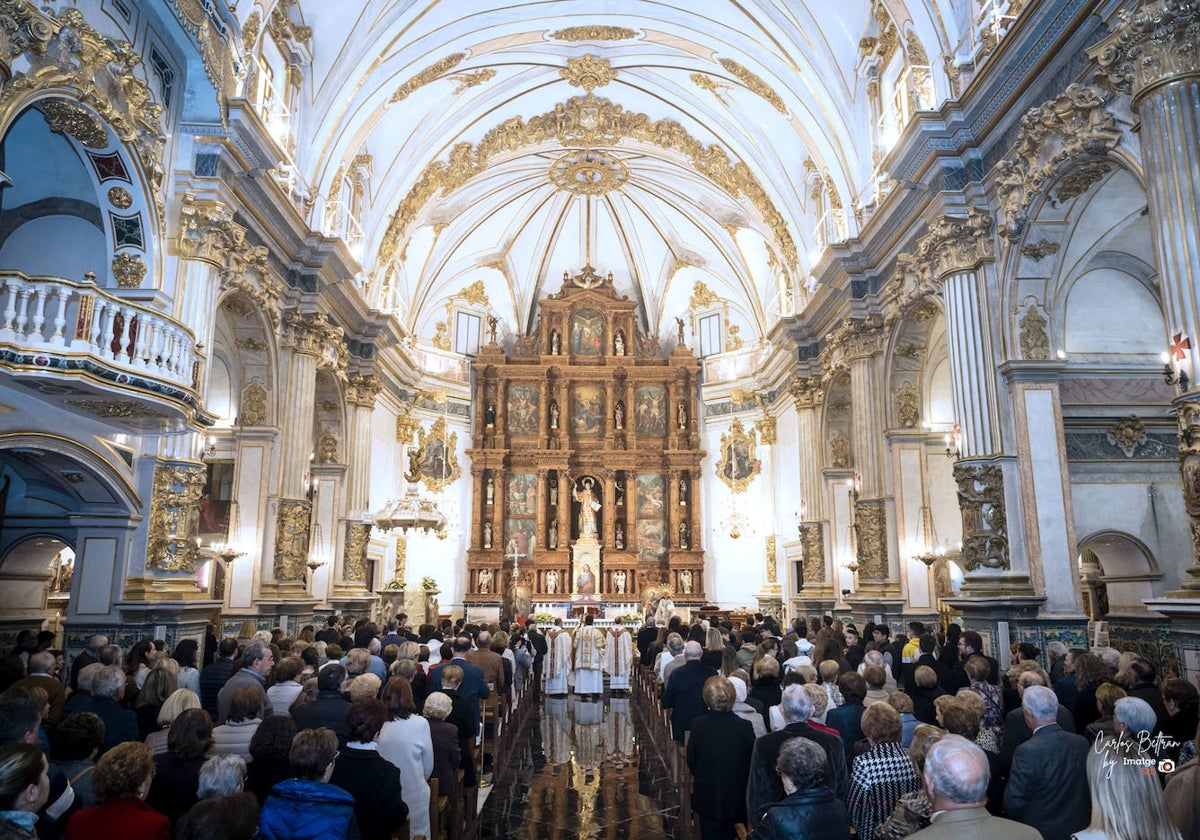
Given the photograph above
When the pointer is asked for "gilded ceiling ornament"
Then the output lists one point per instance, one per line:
(72, 119)
(1151, 44)
(1128, 434)
(467, 80)
(582, 121)
(702, 296)
(593, 33)
(714, 87)
(920, 80)
(985, 524)
(429, 74)
(1038, 251)
(588, 72)
(1076, 125)
(1035, 343)
(406, 427)
(1079, 180)
(435, 454)
(216, 48)
(282, 28)
(588, 173)
(739, 462)
(128, 270)
(174, 518)
(250, 30)
(291, 539)
(120, 198)
(474, 294)
(755, 84)
(766, 428)
(441, 335)
(734, 340)
(118, 409)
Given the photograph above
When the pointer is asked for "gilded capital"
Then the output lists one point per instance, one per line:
(1152, 45)
(312, 334)
(859, 337)
(807, 391)
(953, 244)
(362, 389)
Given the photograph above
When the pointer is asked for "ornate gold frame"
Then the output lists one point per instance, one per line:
(434, 478)
(736, 472)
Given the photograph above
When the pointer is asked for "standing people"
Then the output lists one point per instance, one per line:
(558, 660)
(589, 660)
(618, 657)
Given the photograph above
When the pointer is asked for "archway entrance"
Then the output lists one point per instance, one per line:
(1117, 573)
(35, 583)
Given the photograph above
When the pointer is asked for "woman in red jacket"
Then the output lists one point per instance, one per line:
(122, 779)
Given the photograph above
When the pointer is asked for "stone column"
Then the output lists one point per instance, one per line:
(361, 391)
(1152, 55)
(816, 587)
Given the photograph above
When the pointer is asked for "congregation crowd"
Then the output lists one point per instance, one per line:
(819, 731)
(810, 731)
(336, 733)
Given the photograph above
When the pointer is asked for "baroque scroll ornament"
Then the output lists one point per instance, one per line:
(174, 518)
(985, 524)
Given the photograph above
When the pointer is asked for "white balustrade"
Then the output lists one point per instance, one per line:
(51, 314)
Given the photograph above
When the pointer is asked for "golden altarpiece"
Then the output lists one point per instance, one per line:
(586, 460)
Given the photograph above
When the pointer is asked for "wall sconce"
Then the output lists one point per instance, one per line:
(851, 567)
(954, 443)
(317, 556)
(855, 487)
(803, 511)
(1175, 362)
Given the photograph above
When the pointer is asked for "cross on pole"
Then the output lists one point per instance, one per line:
(514, 555)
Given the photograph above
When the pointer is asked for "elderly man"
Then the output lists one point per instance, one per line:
(1016, 731)
(487, 660)
(672, 653)
(90, 656)
(683, 693)
(810, 809)
(765, 786)
(956, 779)
(257, 662)
(120, 724)
(1133, 716)
(874, 658)
(1048, 787)
(41, 675)
(1056, 654)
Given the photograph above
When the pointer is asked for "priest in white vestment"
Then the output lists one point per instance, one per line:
(558, 660)
(589, 659)
(618, 657)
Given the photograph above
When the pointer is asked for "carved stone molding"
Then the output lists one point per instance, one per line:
(175, 518)
(985, 523)
(1128, 434)
(870, 528)
(65, 53)
(807, 391)
(952, 244)
(812, 541)
(327, 447)
(858, 337)
(908, 406)
(291, 539)
(1074, 126)
(1035, 342)
(362, 389)
(354, 555)
(772, 563)
(66, 117)
(1152, 45)
(839, 450)
(313, 334)
(914, 292)
(253, 408)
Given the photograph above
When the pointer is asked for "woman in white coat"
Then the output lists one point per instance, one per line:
(405, 742)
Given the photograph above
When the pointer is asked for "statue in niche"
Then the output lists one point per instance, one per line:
(554, 414)
(489, 415)
(588, 507)
(619, 581)
(485, 581)
(619, 344)
(555, 343)
(681, 416)
(619, 491)
(554, 492)
(551, 582)
(490, 490)
(619, 536)
(619, 414)
(685, 581)
(552, 536)
(683, 535)
(683, 491)
(487, 534)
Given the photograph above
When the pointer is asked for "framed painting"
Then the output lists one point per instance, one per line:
(521, 494)
(739, 462)
(650, 411)
(518, 538)
(439, 467)
(587, 410)
(651, 517)
(215, 501)
(587, 333)
(524, 402)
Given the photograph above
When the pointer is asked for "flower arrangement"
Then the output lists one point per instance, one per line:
(395, 585)
(544, 618)
(429, 584)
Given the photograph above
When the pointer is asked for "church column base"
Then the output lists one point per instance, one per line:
(883, 610)
(991, 587)
(172, 590)
(291, 613)
(770, 601)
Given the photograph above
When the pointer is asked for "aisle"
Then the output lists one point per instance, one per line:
(582, 770)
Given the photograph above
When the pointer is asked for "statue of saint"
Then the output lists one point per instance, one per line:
(485, 581)
(683, 535)
(619, 414)
(554, 414)
(619, 536)
(619, 581)
(685, 581)
(588, 506)
(683, 491)
(551, 582)
(552, 537)
(554, 492)
(619, 344)
(490, 490)
(487, 534)
(555, 343)
(489, 416)
(681, 416)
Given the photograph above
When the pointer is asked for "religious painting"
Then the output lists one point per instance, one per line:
(521, 494)
(650, 411)
(651, 517)
(215, 502)
(518, 538)
(739, 463)
(587, 410)
(436, 448)
(524, 404)
(587, 333)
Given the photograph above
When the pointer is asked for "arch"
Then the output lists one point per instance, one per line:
(1119, 572)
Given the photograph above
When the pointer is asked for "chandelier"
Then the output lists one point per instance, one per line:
(411, 512)
(929, 551)
(734, 521)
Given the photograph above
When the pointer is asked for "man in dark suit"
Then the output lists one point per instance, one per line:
(331, 634)
(1016, 730)
(474, 687)
(646, 637)
(538, 641)
(683, 693)
(1048, 787)
(330, 707)
(89, 656)
(765, 785)
(956, 778)
(214, 676)
(970, 644)
(41, 667)
(927, 644)
(120, 724)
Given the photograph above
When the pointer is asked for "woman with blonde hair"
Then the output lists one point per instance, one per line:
(1107, 695)
(1127, 803)
(180, 701)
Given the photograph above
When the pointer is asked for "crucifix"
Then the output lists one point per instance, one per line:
(514, 555)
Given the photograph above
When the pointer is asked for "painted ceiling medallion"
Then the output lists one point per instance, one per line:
(120, 198)
(588, 173)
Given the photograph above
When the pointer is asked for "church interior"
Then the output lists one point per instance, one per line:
(879, 309)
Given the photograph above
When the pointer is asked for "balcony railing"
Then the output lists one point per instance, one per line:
(62, 317)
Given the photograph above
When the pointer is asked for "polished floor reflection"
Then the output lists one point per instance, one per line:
(582, 770)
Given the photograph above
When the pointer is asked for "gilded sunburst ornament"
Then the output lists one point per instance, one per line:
(588, 72)
(588, 173)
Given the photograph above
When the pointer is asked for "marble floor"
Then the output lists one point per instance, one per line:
(582, 770)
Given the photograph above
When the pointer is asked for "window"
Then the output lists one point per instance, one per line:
(166, 76)
(710, 334)
(466, 333)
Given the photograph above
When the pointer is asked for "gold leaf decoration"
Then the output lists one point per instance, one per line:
(707, 83)
(63, 117)
(593, 33)
(429, 74)
(755, 84)
(128, 270)
(463, 81)
(588, 72)
(120, 198)
(702, 296)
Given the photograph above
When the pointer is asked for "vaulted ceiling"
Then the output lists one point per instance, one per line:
(666, 141)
